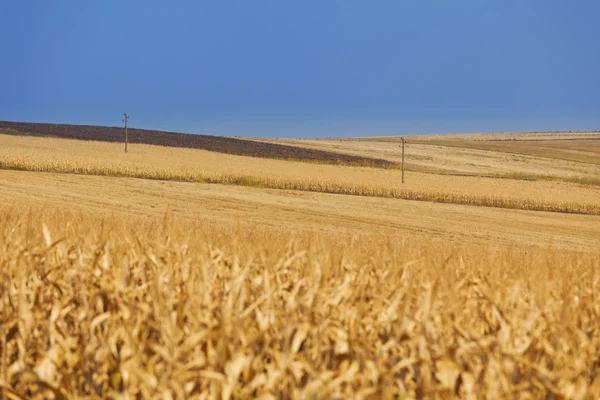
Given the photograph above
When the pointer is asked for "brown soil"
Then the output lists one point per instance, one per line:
(219, 144)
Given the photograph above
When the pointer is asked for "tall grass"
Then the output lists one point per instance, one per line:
(123, 308)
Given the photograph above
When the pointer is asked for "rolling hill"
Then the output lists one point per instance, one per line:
(221, 144)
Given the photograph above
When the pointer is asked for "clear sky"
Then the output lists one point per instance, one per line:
(304, 68)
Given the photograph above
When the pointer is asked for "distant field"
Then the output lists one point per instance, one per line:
(153, 162)
(504, 136)
(221, 144)
(574, 160)
(580, 150)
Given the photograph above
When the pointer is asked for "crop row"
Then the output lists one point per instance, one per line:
(316, 185)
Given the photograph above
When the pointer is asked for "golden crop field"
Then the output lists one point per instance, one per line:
(154, 162)
(295, 210)
(585, 151)
(124, 307)
(175, 274)
(530, 156)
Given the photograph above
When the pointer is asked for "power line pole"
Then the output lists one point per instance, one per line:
(125, 120)
(403, 142)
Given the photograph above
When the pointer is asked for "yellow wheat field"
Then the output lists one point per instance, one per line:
(143, 161)
(122, 307)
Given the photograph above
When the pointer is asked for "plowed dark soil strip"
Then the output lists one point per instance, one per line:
(219, 144)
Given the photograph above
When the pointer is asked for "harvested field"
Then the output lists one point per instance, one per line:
(580, 150)
(539, 159)
(505, 136)
(299, 211)
(143, 161)
(219, 144)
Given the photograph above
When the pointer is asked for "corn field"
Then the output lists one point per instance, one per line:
(124, 308)
(153, 162)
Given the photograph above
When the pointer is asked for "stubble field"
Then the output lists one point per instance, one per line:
(137, 276)
(571, 157)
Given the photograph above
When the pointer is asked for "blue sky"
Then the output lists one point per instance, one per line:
(305, 68)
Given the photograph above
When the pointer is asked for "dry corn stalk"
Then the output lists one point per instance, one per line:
(94, 311)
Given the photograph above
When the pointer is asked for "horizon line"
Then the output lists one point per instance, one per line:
(324, 137)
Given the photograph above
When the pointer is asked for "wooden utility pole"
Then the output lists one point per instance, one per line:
(403, 142)
(125, 120)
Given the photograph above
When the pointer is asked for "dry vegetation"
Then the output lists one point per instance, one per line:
(504, 156)
(584, 151)
(143, 161)
(119, 307)
(329, 214)
(168, 287)
(507, 136)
